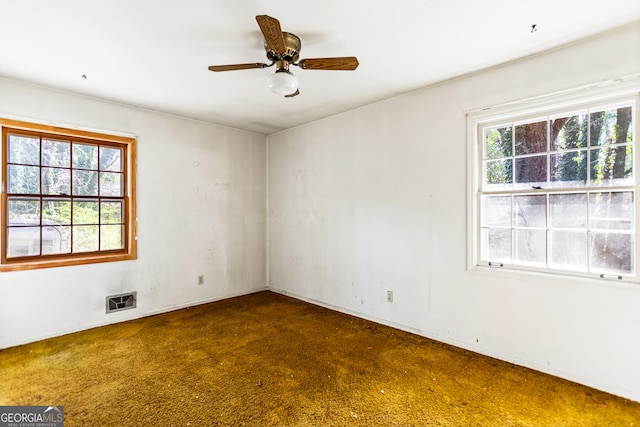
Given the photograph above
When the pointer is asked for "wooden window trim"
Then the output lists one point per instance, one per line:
(58, 260)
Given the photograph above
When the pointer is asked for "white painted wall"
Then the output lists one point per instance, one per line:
(201, 210)
(359, 203)
(375, 199)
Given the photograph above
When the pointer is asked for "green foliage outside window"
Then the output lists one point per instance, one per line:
(64, 192)
(559, 192)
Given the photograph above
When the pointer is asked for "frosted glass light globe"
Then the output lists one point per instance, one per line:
(282, 82)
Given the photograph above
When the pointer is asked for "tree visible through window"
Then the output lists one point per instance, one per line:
(558, 192)
(67, 196)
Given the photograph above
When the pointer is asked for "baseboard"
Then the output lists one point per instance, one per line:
(589, 382)
(131, 315)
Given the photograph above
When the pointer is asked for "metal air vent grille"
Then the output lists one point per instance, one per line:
(121, 302)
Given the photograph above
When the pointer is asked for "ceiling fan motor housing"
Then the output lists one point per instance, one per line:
(292, 47)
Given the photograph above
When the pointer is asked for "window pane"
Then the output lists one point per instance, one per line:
(111, 212)
(85, 156)
(56, 153)
(611, 211)
(23, 241)
(568, 210)
(549, 198)
(498, 174)
(568, 250)
(611, 253)
(85, 238)
(531, 138)
(56, 211)
(24, 179)
(111, 237)
(530, 211)
(56, 239)
(23, 211)
(110, 159)
(497, 211)
(85, 212)
(496, 244)
(497, 142)
(612, 165)
(611, 126)
(24, 150)
(569, 132)
(85, 183)
(56, 181)
(569, 169)
(64, 196)
(110, 184)
(530, 247)
(531, 172)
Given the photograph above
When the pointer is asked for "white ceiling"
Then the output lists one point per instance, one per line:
(154, 54)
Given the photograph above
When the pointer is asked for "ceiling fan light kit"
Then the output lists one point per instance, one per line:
(283, 50)
(282, 82)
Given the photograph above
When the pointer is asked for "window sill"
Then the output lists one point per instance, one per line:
(49, 263)
(511, 273)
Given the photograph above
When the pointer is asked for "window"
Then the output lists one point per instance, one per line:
(556, 190)
(67, 197)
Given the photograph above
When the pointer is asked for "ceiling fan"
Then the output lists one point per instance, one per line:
(283, 50)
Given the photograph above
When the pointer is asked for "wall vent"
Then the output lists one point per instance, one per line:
(121, 302)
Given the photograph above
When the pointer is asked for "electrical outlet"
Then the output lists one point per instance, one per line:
(389, 296)
(201, 279)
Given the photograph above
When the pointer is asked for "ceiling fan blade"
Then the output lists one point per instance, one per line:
(236, 67)
(272, 33)
(347, 63)
(291, 95)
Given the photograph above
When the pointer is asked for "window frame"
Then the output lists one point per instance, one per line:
(551, 106)
(128, 146)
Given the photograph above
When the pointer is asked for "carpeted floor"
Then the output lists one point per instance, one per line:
(268, 360)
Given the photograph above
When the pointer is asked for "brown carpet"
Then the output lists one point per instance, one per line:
(268, 360)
